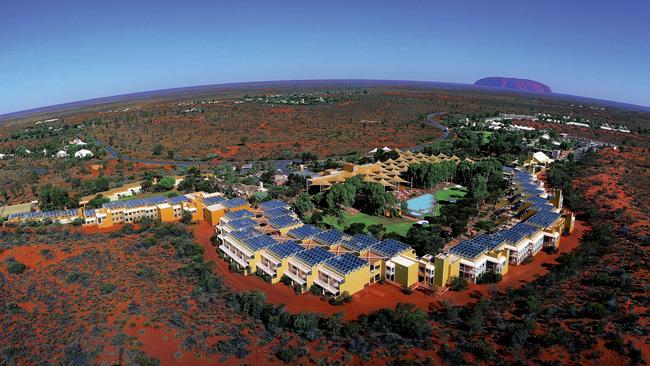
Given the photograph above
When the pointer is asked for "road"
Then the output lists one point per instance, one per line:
(280, 165)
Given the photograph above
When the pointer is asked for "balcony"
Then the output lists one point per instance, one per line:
(294, 276)
(242, 262)
(326, 286)
(266, 269)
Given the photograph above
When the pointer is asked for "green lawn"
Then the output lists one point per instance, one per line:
(399, 226)
(446, 195)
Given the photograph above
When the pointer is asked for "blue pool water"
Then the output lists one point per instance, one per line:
(422, 205)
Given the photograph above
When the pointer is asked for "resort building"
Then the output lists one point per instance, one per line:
(537, 223)
(387, 173)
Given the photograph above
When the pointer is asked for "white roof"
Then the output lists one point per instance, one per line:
(83, 153)
(373, 151)
(541, 157)
(403, 261)
(386, 148)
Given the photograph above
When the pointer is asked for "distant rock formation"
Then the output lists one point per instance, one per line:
(514, 84)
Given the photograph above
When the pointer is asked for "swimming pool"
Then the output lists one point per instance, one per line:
(422, 205)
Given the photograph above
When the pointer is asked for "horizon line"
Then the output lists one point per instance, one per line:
(26, 112)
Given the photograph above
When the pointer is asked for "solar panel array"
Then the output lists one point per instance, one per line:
(236, 215)
(304, 232)
(361, 242)
(178, 199)
(467, 249)
(517, 232)
(242, 235)
(314, 256)
(345, 263)
(286, 249)
(277, 212)
(242, 223)
(529, 186)
(543, 218)
(282, 222)
(329, 237)
(269, 205)
(258, 242)
(149, 201)
(390, 248)
(213, 200)
(90, 212)
(234, 202)
(44, 214)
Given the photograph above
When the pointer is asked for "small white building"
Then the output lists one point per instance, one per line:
(61, 154)
(83, 153)
(77, 142)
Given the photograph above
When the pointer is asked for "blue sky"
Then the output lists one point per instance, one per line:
(60, 51)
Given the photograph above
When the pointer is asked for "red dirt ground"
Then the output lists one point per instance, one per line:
(378, 296)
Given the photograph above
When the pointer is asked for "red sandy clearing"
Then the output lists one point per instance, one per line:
(377, 296)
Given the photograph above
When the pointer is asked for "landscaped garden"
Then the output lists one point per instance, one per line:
(394, 225)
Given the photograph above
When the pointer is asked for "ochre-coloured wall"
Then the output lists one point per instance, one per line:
(355, 281)
(406, 276)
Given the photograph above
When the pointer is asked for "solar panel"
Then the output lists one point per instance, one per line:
(258, 242)
(236, 215)
(242, 235)
(213, 200)
(235, 202)
(361, 242)
(314, 256)
(329, 237)
(269, 205)
(178, 199)
(467, 249)
(278, 211)
(242, 223)
(345, 263)
(543, 219)
(113, 205)
(390, 248)
(304, 232)
(282, 222)
(286, 249)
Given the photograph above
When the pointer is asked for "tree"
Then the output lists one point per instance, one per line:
(355, 228)
(165, 184)
(97, 201)
(308, 156)
(377, 230)
(55, 198)
(479, 188)
(425, 239)
(458, 284)
(303, 205)
(186, 218)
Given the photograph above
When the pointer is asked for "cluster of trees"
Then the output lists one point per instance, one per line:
(368, 197)
(195, 181)
(55, 198)
(427, 175)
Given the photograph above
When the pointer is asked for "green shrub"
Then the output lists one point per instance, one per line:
(489, 277)
(458, 284)
(15, 267)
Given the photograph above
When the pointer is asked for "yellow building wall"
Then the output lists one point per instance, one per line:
(107, 221)
(445, 270)
(166, 214)
(284, 264)
(356, 281)
(406, 276)
(212, 217)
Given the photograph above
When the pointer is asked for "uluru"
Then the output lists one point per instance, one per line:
(514, 84)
